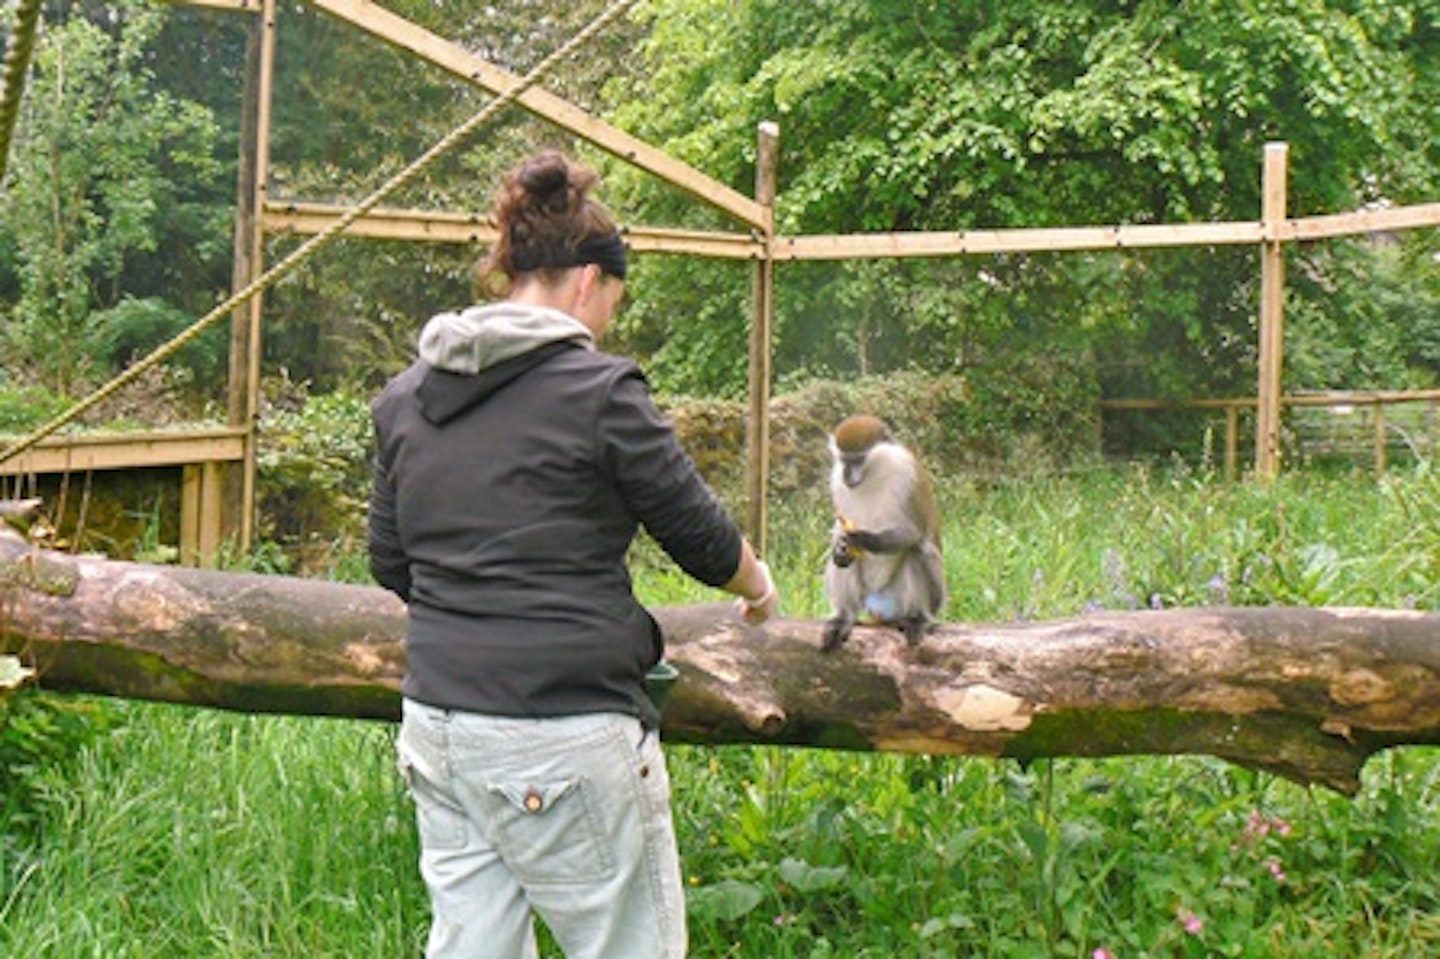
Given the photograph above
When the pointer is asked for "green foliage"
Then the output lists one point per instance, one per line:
(339, 327)
(1178, 537)
(975, 116)
(24, 407)
(1362, 314)
(314, 469)
(188, 832)
(40, 733)
(989, 114)
(115, 228)
(941, 857)
(134, 327)
(99, 162)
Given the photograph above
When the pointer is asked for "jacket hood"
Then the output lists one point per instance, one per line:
(471, 355)
(480, 337)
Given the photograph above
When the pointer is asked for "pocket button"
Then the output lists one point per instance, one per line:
(534, 802)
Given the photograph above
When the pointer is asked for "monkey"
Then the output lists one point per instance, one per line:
(885, 559)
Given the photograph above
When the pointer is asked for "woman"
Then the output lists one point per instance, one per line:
(515, 463)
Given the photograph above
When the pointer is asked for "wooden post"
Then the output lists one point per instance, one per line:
(1272, 304)
(201, 491)
(758, 428)
(1434, 434)
(1232, 439)
(245, 341)
(1380, 459)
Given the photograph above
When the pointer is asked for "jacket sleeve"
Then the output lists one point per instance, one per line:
(661, 486)
(388, 562)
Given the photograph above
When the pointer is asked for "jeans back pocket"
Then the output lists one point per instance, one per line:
(550, 832)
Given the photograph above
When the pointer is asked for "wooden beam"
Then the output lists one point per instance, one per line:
(233, 6)
(1364, 221)
(860, 246)
(1360, 397)
(1150, 404)
(192, 502)
(1379, 440)
(447, 227)
(444, 227)
(107, 451)
(1319, 398)
(1232, 442)
(402, 33)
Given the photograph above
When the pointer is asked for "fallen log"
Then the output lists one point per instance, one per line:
(1309, 694)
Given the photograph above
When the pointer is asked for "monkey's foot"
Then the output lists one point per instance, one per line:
(915, 629)
(834, 636)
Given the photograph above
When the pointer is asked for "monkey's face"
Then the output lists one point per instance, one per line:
(852, 443)
(852, 469)
(849, 464)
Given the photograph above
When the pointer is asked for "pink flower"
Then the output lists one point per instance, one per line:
(1192, 923)
(1276, 870)
(1102, 953)
(1259, 825)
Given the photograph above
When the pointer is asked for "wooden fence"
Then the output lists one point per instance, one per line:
(1323, 424)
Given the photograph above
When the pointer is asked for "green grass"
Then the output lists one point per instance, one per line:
(187, 832)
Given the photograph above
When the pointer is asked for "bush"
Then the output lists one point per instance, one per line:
(314, 471)
(23, 408)
(1014, 420)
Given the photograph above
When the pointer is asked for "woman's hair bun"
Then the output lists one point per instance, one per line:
(543, 214)
(546, 178)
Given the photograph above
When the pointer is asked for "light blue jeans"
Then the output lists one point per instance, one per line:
(566, 817)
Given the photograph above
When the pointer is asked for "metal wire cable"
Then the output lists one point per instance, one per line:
(323, 238)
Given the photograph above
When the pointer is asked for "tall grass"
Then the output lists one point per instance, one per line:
(187, 832)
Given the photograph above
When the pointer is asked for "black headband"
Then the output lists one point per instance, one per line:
(605, 250)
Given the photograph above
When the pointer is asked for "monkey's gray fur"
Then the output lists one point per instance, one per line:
(885, 558)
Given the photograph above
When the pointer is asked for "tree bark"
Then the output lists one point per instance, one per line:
(1308, 694)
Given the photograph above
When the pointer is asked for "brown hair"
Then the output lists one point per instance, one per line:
(543, 214)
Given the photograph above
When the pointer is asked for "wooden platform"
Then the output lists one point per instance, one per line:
(201, 454)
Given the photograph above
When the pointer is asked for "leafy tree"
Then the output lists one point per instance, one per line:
(933, 116)
(101, 162)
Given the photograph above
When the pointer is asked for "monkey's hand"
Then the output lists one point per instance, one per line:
(896, 539)
(843, 551)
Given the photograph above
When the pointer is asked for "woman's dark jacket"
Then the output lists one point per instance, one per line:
(514, 465)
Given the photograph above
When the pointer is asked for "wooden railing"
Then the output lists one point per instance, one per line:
(1342, 403)
(200, 453)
